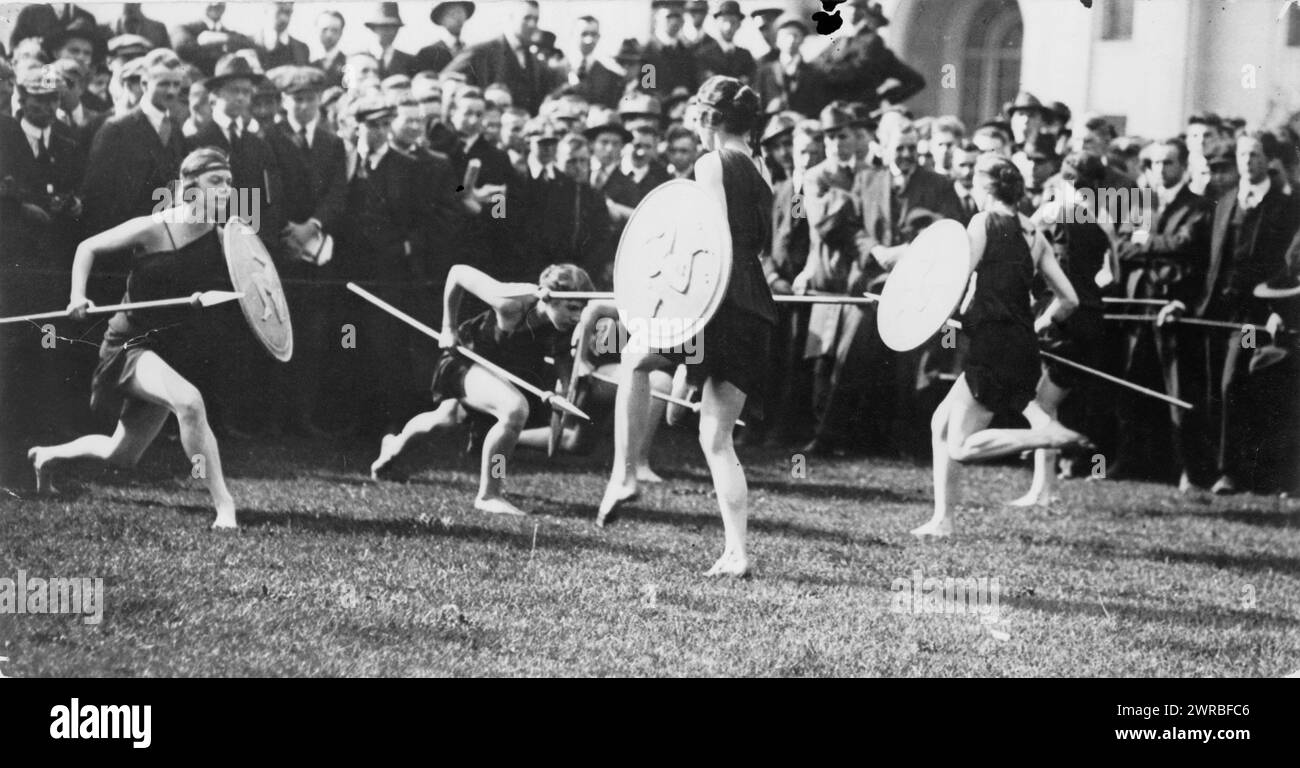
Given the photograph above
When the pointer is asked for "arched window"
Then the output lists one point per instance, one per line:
(992, 60)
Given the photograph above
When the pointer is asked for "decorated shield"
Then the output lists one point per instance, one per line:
(673, 265)
(925, 286)
(263, 304)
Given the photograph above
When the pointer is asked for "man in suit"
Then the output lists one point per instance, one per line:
(42, 19)
(275, 47)
(385, 25)
(253, 165)
(508, 59)
(566, 219)
(1166, 259)
(488, 233)
(72, 112)
(721, 55)
(672, 59)
(596, 81)
(313, 167)
(641, 170)
(390, 203)
(861, 68)
(134, 22)
(329, 26)
(138, 153)
(963, 179)
(683, 148)
(765, 17)
(1253, 226)
(798, 85)
(203, 43)
(695, 12)
(449, 20)
(40, 171)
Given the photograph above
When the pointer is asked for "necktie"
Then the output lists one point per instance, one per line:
(42, 151)
(1248, 202)
(302, 138)
(165, 131)
(234, 134)
(582, 70)
(363, 167)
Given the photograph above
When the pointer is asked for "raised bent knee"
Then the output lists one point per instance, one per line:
(189, 407)
(514, 418)
(714, 436)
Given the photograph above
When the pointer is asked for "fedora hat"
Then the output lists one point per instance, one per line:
(439, 8)
(611, 127)
(386, 15)
(232, 66)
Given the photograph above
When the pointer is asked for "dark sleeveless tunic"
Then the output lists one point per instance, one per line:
(182, 336)
(1081, 249)
(521, 351)
(1002, 367)
(735, 345)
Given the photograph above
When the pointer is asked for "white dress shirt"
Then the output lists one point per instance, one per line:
(35, 136)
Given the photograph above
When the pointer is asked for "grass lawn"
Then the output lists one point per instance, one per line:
(332, 575)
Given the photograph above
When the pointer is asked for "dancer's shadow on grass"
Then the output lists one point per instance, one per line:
(1207, 617)
(1244, 563)
(1286, 516)
(522, 538)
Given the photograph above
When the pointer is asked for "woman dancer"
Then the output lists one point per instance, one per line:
(1002, 367)
(736, 340)
(149, 357)
(518, 332)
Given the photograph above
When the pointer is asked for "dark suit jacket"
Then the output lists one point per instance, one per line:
(388, 208)
(315, 178)
(1278, 221)
(488, 240)
(857, 68)
(37, 20)
(127, 164)
(253, 166)
(805, 93)
(601, 85)
(789, 251)
(153, 31)
(711, 60)
(28, 181)
(433, 58)
(333, 69)
(623, 190)
(279, 55)
(185, 41)
(674, 66)
(883, 214)
(494, 61)
(401, 63)
(567, 222)
(1171, 263)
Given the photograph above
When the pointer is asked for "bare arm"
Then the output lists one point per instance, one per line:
(708, 172)
(137, 232)
(1064, 299)
(462, 278)
(584, 334)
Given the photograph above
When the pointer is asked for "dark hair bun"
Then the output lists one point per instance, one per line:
(1008, 183)
(729, 104)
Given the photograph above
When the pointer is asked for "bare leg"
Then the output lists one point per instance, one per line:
(139, 425)
(391, 446)
(631, 414)
(958, 416)
(719, 410)
(662, 382)
(486, 392)
(1041, 415)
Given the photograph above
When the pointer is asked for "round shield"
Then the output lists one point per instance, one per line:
(253, 273)
(673, 265)
(925, 286)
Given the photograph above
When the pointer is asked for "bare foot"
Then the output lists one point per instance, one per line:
(732, 565)
(644, 474)
(44, 478)
(1035, 499)
(498, 506)
(386, 456)
(225, 518)
(936, 529)
(614, 495)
